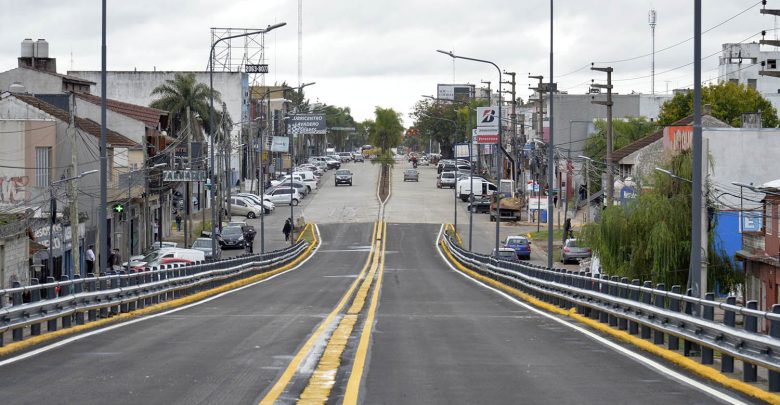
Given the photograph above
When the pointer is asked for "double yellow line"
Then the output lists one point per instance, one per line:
(322, 380)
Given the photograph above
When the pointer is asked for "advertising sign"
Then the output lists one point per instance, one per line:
(308, 124)
(184, 175)
(627, 194)
(280, 144)
(678, 138)
(751, 221)
(460, 92)
(462, 150)
(487, 117)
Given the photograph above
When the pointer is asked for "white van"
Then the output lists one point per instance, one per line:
(481, 187)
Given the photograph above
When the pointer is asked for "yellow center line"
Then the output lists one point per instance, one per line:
(321, 383)
(278, 388)
(352, 392)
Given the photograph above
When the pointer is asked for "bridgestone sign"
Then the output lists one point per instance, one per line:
(308, 124)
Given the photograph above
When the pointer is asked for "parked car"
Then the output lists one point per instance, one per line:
(521, 245)
(343, 177)
(232, 237)
(244, 207)
(155, 247)
(168, 256)
(573, 251)
(482, 187)
(299, 186)
(411, 175)
(284, 196)
(446, 179)
(359, 158)
(333, 163)
(504, 253)
(268, 206)
(204, 245)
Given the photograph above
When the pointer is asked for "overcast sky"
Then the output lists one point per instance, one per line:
(364, 54)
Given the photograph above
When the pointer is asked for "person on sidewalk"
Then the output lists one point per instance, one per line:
(287, 229)
(116, 261)
(90, 259)
(178, 222)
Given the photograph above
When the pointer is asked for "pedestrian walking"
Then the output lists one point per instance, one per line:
(178, 222)
(90, 258)
(156, 230)
(116, 261)
(287, 229)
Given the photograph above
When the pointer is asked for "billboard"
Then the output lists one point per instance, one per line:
(487, 117)
(308, 124)
(460, 92)
(280, 144)
(677, 138)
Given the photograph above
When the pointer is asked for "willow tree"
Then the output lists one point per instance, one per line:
(650, 238)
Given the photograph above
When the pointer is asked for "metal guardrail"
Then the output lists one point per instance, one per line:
(61, 303)
(656, 314)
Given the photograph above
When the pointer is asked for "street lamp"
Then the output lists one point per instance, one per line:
(53, 214)
(499, 156)
(672, 175)
(211, 125)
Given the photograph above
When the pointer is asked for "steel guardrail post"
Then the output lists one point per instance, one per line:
(91, 282)
(65, 289)
(51, 294)
(103, 285)
(729, 319)
(16, 299)
(688, 309)
(613, 291)
(774, 331)
(78, 288)
(749, 371)
(660, 302)
(673, 343)
(708, 313)
(633, 326)
(623, 293)
(647, 299)
(123, 282)
(35, 296)
(604, 315)
(114, 282)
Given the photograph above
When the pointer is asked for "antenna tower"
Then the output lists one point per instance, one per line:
(651, 16)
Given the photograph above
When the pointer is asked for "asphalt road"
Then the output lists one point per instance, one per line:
(225, 351)
(438, 337)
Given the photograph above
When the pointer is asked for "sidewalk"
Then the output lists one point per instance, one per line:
(196, 220)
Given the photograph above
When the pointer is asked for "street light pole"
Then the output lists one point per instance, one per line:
(550, 151)
(213, 176)
(499, 156)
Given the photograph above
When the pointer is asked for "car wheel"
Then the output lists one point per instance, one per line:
(294, 202)
(250, 215)
(308, 189)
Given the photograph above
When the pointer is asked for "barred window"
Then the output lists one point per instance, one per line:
(42, 166)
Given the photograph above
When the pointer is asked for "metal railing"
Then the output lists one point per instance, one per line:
(60, 304)
(653, 313)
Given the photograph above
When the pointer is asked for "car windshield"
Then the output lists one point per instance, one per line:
(202, 243)
(152, 257)
(343, 173)
(232, 230)
(517, 241)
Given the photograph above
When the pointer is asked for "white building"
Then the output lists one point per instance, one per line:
(741, 63)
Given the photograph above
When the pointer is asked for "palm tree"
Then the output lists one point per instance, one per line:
(184, 91)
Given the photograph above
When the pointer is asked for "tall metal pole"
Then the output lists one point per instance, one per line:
(102, 209)
(697, 279)
(471, 179)
(127, 221)
(74, 196)
(52, 217)
(292, 192)
(550, 151)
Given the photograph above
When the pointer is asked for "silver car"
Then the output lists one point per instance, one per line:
(573, 251)
(245, 207)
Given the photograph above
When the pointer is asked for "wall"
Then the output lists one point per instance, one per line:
(120, 123)
(136, 87)
(14, 260)
(33, 81)
(17, 184)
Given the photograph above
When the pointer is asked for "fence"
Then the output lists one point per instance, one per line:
(59, 304)
(653, 313)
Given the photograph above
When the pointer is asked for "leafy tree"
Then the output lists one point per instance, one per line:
(443, 122)
(650, 239)
(184, 91)
(728, 101)
(387, 130)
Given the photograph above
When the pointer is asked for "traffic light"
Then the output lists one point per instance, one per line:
(119, 208)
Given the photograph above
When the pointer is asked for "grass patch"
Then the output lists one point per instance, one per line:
(542, 235)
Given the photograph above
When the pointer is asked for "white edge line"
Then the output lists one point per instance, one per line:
(622, 350)
(147, 317)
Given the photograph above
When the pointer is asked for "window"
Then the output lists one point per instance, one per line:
(751, 83)
(735, 81)
(42, 166)
(771, 63)
(770, 218)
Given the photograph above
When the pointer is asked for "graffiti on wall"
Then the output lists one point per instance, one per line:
(13, 190)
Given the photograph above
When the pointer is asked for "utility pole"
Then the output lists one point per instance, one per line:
(513, 115)
(479, 147)
(608, 103)
(74, 196)
(187, 196)
(226, 143)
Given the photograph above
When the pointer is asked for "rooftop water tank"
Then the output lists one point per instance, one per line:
(17, 87)
(41, 48)
(27, 48)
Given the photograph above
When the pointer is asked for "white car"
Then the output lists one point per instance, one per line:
(268, 206)
(282, 196)
(481, 187)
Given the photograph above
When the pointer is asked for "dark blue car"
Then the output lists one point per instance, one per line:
(521, 246)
